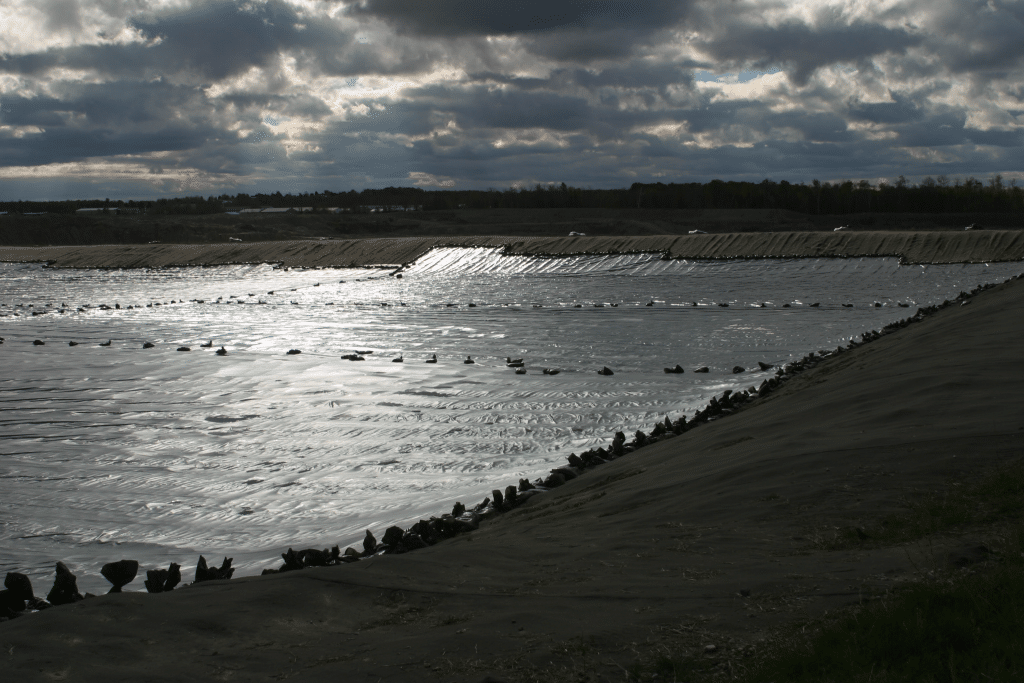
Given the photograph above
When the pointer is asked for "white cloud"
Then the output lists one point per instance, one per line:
(421, 179)
(299, 91)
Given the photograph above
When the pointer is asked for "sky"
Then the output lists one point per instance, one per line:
(136, 99)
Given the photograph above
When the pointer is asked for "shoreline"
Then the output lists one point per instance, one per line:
(935, 247)
(467, 519)
(933, 369)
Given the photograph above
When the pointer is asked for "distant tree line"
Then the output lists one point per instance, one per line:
(932, 195)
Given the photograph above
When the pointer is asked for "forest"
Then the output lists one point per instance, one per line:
(931, 195)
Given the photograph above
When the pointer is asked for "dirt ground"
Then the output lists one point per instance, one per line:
(58, 229)
(910, 246)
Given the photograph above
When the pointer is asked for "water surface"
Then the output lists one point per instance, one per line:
(160, 455)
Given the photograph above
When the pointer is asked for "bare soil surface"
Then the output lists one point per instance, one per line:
(912, 247)
(59, 229)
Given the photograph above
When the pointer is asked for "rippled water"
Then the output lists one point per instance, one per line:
(159, 455)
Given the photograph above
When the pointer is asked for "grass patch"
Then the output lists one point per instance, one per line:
(954, 626)
(965, 627)
(996, 497)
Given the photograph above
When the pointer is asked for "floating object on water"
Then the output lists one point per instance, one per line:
(400, 359)
(106, 343)
(520, 371)
(38, 342)
(72, 343)
(148, 345)
(764, 366)
(703, 369)
(222, 351)
(468, 361)
(184, 348)
(548, 371)
(605, 371)
(207, 345)
(432, 359)
(738, 369)
(292, 352)
(678, 369)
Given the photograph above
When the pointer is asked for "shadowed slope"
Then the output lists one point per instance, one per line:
(914, 247)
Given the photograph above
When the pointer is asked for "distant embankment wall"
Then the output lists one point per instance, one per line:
(913, 247)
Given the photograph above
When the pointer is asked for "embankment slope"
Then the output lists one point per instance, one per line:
(912, 246)
(651, 546)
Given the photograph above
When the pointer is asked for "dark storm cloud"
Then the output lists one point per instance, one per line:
(101, 104)
(979, 35)
(949, 129)
(639, 75)
(30, 111)
(62, 144)
(215, 40)
(301, 106)
(815, 127)
(482, 108)
(561, 30)
(220, 39)
(588, 46)
(901, 110)
(631, 77)
(801, 48)
(109, 119)
(61, 14)
(475, 17)
(597, 92)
